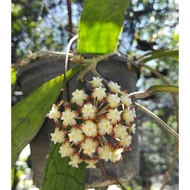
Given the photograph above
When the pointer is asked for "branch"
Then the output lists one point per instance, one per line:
(110, 177)
(54, 19)
(69, 17)
(67, 51)
(171, 167)
(153, 89)
(155, 117)
(161, 77)
(91, 64)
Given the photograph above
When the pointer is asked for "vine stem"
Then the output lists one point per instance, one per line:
(142, 64)
(70, 18)
(67, 52)
(171, 167)
(110, 177)
(91, 64)
(153, 89)
(161, 122)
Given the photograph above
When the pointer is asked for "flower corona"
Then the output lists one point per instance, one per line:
(94, 127)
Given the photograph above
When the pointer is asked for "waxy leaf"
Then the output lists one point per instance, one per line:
(29, 114)
(100, 25)
(59, 175)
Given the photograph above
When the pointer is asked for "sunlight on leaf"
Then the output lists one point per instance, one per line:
(13, 76)
(100, 25)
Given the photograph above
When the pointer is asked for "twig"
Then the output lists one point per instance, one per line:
(67, 53)
(91, 64)
(160, 76)
(54, 19)
(153, 89)
(161, 122)
(64, 93)
(177, 117)
(110, 177)
(171, 167)
(69, 17)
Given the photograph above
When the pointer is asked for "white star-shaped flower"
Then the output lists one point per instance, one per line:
(78, 97)
(89, 128)
(116, 154)
(105, 152)
(128, 116)
(114, 87)
(91, 163)
(120, 131)
(75, 160)
(113, 100)
(88, 111)
(58, 136)
(133, 128)
(126, 100)
(99, 93)
(66, 149)
(89, 146)
(114, 115)
(69, 116)
(105, 126)
(96, 81)
(54, 113)
(126, 141)
(75, 135)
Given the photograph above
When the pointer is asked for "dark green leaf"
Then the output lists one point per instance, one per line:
(61, 176)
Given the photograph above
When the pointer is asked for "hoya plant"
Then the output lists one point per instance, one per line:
(94, 122)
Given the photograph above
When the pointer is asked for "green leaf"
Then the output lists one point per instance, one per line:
(163, 88)
(100, 25)
(160, 54)
(59, 175)
(12, 175)
(29, 114)
(13, 76)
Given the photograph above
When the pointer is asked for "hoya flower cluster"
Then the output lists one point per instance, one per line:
(94, 127)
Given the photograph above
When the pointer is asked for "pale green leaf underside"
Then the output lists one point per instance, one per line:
(100, 25)
(29, 114)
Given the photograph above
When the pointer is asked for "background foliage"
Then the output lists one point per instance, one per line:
(149, 25)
